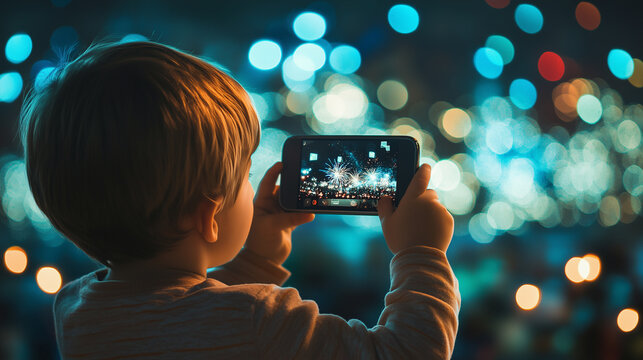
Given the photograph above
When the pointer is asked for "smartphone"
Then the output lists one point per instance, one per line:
(345, 174)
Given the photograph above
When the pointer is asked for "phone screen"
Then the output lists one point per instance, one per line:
(347, 174)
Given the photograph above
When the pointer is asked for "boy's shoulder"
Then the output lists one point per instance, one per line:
(92, 286)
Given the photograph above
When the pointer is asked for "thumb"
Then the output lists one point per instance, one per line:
(420, 181)
(384, 207)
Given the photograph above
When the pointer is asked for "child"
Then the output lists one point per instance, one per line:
(139, 154)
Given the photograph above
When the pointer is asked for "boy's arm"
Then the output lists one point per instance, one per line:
(420, 319)
(248, 267)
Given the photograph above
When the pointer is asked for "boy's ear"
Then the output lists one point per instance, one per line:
(206, 225)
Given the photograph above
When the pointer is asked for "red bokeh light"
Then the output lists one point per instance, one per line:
(551, 66)
(587, 15)
(498, 4)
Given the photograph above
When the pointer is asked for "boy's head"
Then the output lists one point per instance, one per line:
(129, 138)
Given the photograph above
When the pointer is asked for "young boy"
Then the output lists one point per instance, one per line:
(139, 154)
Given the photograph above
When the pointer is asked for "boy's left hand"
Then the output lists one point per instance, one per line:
(271, 229)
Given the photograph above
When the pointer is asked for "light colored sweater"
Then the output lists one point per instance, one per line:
(238, 313)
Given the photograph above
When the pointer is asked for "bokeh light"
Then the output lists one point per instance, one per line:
(403, 18)
(528, 18)
(627, 320)
(620, 63)
(445, 175)
(587, 15)
(551, 66)
(528, 296)
(49, 279)
(499, 138)
(63, 39)
(498, 4)
(488, 62)
(503, 46)
(594, 264)
(43, 77)
(577, 269)
(10, 86)
(309, 26)
(633, 180)
(133, 37)
(637, 75)
(264, 54)
(15, 259)
(589, 108)
(392, 94)
(309, 57)
(523, 93)
(18, 48)
(456, 123)
(345, 59)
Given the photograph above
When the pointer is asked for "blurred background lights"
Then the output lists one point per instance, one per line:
(49, 279)
(523, 93)
(343, 101)
(15, 259)
(264, 54)
(500, 215)
(456, 123)
(133, 37)
(589, 108)
(499, 138)
(488, 62)
(528, 18)
(587, 15)
(480, 230)
(445, 175)
(637, 75)
(18, 48)
(551, 66)
(42, 79)
(345, 59)
(620, 63)
(63, 39)
(498, 4)
(528, 296)
(627, 320)
(309, 57)
(586, 268)
(309, 26)
(392, 94)
(633, 180)
(10, 86)
(503, 46)
(403, 18)
(594, 264)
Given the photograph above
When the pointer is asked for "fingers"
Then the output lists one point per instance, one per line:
(384, 207)
(295, 219)
(266, 188)
(420, 181)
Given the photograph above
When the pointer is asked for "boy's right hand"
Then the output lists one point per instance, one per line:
(420, 219)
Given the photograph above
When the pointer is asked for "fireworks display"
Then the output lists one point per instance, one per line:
(354, 174)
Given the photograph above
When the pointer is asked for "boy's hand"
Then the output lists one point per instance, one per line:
(270, 232)
(420, 219)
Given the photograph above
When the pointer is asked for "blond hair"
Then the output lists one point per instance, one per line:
(128, 138)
